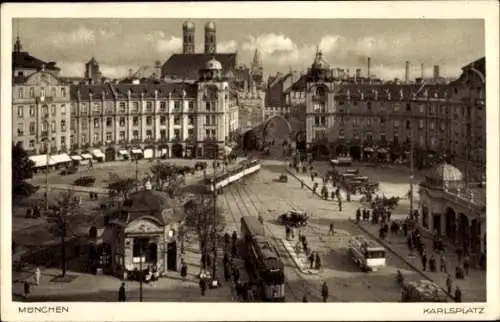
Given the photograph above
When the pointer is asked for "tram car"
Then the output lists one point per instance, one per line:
(367, 254)
(422, 291)
(263, 262)
(244, 168)
(341, 161)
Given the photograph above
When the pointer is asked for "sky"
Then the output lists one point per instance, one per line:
(284, 44)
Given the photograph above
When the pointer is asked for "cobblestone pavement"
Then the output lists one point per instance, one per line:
(259, 194)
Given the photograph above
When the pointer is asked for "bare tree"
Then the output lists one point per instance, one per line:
(121, 187)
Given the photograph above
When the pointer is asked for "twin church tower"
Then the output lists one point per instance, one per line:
(188, 38)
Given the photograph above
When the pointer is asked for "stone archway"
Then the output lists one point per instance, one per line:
(463, 231)
(250, 140)
(450, 223)
(277, 128)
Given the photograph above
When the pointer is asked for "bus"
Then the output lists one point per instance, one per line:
(263, 262)
(367, 254)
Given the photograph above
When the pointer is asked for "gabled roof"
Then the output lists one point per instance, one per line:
(153, 203)
(136, 90)
(188, 66)
(23, 59)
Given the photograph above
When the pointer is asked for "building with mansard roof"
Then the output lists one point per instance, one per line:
(23, 64)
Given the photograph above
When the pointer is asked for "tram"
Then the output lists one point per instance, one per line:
(263, 263)
(369, 255)
(244, 168)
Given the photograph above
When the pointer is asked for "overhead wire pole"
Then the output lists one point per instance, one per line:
(47, 146)
(214, 232)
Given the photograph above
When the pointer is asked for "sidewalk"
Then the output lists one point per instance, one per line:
(473, 286)
(91, 287)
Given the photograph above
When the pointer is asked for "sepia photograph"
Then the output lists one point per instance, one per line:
(203, 158)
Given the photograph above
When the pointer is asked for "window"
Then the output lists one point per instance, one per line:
(109, 136)
(213, 120)
(396, 124)
(63, 125)
(163, 120)
(135, 134)
(44, 126)
(45, 111)
(122, 135)
(177, 120)
(442, 126)
(73, 124)
(84, 138)
(96, 137)
(396, 107)
(369, 105)
(20, 129)
(53, 126)
(135, 107)
(83, 109)
(408, 124)
(32, 128)
(20, 111)
(208, 106)
(149, 120)
(149, 134)
(97, 108)
(408, 107)
(20, 92)
(135, 121)
(163, 134)
(32, 110)
(177, 134)
(109, 121)
(63, 140)
(421, 124)
(42, 91)
(32, 144)
(53, 92)
(84, 124)
(96, 123)
(63, 109)
(149, 107)
(32, 92)
(177, 106)
(190, 133)
(63, 92)
(53, 109)
(395, 138)
(382, 120)
(431, 125)
(190, 120)
(422, 108)
(122, 121)
(207, 133)
(122, 107)
(163, 106)
(191, 106)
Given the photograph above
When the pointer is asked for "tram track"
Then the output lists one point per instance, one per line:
(240, 194)
(345, 260)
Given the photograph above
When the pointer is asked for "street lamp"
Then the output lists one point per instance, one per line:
(214, 231)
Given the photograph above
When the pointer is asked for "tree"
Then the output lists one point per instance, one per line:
(168, 177)
(199, 217)
(120, 187)
(62, 219)
(22, 169)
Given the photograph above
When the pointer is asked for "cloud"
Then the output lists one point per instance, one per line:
(70, 68)
(330, 43)
(229, 46)
(80, 36)
(172, 44)
(116, 71)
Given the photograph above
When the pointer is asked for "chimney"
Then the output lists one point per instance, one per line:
(422, 71)
(369, 65)
(436, 72)
(407, 72)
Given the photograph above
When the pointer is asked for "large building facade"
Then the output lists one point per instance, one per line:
(167, 119)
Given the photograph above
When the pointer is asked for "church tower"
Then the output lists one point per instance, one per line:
(188, 32)
(210, 39)
(256, 69)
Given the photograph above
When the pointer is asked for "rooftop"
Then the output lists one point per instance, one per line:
(188, 66)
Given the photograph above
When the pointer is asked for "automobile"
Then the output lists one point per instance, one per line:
(294, 218)
(200, 165)
(69, 170)
(283, 178)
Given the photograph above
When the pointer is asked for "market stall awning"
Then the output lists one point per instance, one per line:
(86, 156)
(60, 158)
(76, 157)
(40, 160)
(98, 153)
(123, 152)
(382, 150)
(369, 150)
(148, 153)
(136, 151)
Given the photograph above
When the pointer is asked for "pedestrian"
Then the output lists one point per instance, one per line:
(466, 264)
(331, 231)
(317, 260)
(236, 275)
(122, 297)
(37, 276)
(203, 286)
(311, 260)
(184, 268)
(459, 273)
(333, 195)
(442, 265)
(340, 205)
(424, 261)
(26, 289)
(449, 283)
(302, 184)
(324, 292)
(227, 272)
(458, 295)
(304, 299)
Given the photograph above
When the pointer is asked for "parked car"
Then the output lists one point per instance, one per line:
(294, 218)
(69, 170)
